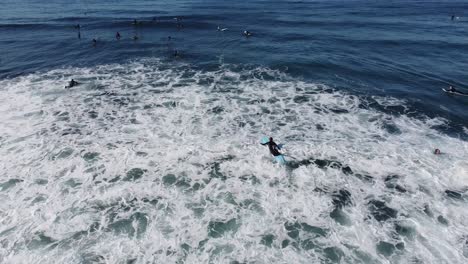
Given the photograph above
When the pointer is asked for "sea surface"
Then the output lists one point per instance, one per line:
(155, 157)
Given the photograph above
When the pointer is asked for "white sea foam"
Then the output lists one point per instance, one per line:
(145, 162)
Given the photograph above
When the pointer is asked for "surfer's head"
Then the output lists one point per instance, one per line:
(271, 139)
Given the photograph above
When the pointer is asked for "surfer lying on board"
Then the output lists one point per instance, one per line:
(452, 89)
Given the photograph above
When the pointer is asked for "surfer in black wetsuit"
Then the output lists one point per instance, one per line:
(273, 147)
(72, 83)
(452, 89)
(117, 36)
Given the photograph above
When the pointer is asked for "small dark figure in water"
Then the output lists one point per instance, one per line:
(72, 83)
(179, 23)
(452, 89)
(247, 33)
(176, 54)
(135, 37)
(169, 38)
(94, 42)
(273, 147)
(117, 36)
(437, 152)
(453, 17)
(79, 30)
(135, 22)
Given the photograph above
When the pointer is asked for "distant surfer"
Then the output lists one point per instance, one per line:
(79, 30)
(135, 22)
(452, 90)
(135, 37)
(437, 152)
(94, 42)
(453, 17)
(247, 33)
(117, 36)
(274, 149)
(176, 54)
(72, 83)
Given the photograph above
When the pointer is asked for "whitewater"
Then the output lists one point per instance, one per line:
(146, 162)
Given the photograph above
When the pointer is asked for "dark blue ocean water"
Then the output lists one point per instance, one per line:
(405, 49)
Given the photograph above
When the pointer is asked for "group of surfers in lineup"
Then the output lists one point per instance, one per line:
(135, 22)
(175, 54)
